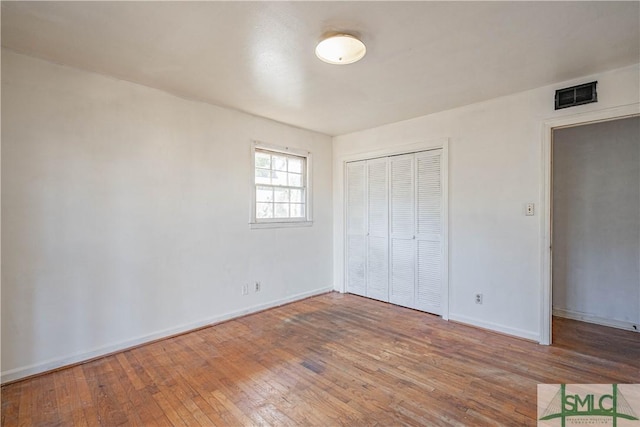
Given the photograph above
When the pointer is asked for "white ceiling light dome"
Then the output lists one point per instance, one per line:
(341, 49)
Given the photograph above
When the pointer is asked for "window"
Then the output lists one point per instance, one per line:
(281, 190)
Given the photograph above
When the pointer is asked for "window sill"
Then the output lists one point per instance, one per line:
(288, 224)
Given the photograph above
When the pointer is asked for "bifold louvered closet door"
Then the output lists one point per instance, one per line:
(367, 229)
(377, 278)
(395, 229)
(356, 227)
(429, 232)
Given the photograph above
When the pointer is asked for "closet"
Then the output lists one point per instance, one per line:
(395, 229)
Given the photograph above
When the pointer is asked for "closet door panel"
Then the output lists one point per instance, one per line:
(402, 288)
(402, 208)
(378, 268)
(356, 265)
(402, 196)
(356, 228)
(429, 277)
(378, 229)
(429, 232)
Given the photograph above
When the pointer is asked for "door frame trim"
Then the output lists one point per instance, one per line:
(548, 127)
(434, 144)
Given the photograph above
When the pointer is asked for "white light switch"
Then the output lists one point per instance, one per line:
(530, 211)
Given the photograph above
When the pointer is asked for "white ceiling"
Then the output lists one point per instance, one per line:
(258, 57)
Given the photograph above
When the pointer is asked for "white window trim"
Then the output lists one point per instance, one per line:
(279, 222)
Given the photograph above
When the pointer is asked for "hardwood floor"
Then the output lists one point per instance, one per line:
(597, 341)
(329, 360)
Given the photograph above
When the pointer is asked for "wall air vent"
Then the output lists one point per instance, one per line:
(576, 95)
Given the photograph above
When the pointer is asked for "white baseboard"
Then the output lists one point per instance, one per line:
(48, 365)
(521, 333)
(589, 318)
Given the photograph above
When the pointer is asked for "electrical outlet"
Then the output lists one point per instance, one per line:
(257, 288)
(478, 298)
(245, 289)
(530, 209)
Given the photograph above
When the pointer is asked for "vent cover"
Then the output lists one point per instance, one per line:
(576, 95)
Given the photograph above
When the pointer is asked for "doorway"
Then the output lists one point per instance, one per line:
(596, 223)
(591, 254)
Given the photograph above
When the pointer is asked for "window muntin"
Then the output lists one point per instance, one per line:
(280, 181)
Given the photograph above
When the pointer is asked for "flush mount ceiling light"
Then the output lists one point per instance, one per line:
(341, 49)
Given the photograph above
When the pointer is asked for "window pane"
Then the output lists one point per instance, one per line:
(295, 180)
(279, 178)
(280, 186)
(281, 195)
(264, 210)
(296, 195)
(281, 210)
(263, 176)
(263, 160)
(295, 165)
(279, 163)
(264, 194)
(297, 210)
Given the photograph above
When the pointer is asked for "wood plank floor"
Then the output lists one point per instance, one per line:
(329, 360)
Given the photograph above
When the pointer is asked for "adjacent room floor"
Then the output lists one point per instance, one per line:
(329, 360)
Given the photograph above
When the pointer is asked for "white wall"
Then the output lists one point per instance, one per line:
(495, 167)
(125, 216)
(596, 222)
